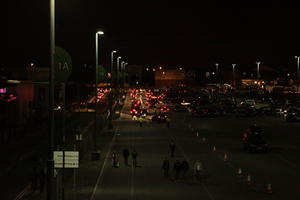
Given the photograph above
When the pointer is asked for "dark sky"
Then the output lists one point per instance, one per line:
(154, 33)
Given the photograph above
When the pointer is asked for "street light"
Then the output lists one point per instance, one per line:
(233, 78)
(257, 70)
(217, 71)
(112, 66)
(298, 72)
(110, 96)
(50, 161)
(95, 154)
(118, 68)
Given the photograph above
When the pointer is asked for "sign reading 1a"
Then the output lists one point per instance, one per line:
(63, 65)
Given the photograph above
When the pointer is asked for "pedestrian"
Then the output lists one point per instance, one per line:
(177, 169)
(42, 177)
(172, 148)
(168, 121)
(134, 155)
(185, 168)
(126, 155)
(166, 167)
(198, 169)
(34, 179)
(115, 160)
(141, 121)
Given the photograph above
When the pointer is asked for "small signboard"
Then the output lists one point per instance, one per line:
(71, 159)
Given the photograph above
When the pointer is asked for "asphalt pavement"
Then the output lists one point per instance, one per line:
(216, 142)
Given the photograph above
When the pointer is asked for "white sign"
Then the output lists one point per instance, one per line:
(71, 159)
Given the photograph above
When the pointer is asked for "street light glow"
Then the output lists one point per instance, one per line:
(100, 32)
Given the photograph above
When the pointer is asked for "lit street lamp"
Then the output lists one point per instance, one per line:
(233, 77)
(257, 70)
(112, 66)
(118, 69)
(95, 154)
(298, 72)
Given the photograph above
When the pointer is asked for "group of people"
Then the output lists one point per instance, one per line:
(126, 154)
(180, 169)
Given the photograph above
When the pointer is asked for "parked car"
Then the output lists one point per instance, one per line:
(253, 140)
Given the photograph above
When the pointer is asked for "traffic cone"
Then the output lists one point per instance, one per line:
(214, 148)
(203, 139)
(248, 180)
(239, 172)
(225, 157)
(269, 189)
(197, 134)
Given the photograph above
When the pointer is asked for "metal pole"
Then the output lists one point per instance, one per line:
(233, 76)
(96, 96)
(298, 75)
(257, 70)
(50, 162)
(63, 137)
(110, 97)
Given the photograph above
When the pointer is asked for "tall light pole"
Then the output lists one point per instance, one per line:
(50, 161)
(298, 73)
(95, 154)
(217, 71)
(257, 70)
(110, 97)
(112, 65)
(233, 71)
(118, 69)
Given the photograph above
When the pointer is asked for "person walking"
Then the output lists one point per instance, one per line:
(168, 121)
(115, 160)
(172, 148)
(126, 155)
(166, 167)
(42, 177)
(176, 169)
(134, 155)
(141, 121)
(198, 170)
(185, 168)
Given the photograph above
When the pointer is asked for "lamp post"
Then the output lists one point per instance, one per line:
(298, 73)
(118, 69)
(95, 154)
(233, 71)
(50, 161)
(112, 65)
(257, 70)
(110, 97)
(217, 71)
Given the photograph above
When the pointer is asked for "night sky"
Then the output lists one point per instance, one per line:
(154, 33)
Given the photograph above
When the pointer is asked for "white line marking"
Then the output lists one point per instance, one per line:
(102, 169)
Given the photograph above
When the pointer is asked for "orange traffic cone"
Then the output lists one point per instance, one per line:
(239, 172)
(214, 148)
(269, 189)
(248, 180)
(225, 157)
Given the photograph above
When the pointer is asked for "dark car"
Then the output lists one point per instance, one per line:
(253, 140)
(159, 118)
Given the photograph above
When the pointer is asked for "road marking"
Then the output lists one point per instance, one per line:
(103, 166)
